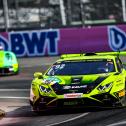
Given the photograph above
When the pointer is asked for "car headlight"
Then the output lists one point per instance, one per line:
(15, 65)
(103, 88)
(45, 90)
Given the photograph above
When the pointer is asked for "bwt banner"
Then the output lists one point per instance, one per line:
(32, 43)
(68, 40)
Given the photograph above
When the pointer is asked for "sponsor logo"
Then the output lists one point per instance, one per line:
(117, 38)
(74, 87)
(71, 103)
(52, 80)
(32, 43)
(76, 80)
(73, 95)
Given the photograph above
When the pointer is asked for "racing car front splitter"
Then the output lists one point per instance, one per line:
(101, 100)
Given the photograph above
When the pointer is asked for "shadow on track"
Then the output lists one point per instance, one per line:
(25, 111)
(23, 116)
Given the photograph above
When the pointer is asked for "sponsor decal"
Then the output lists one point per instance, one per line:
(52, 79)
(73, 95)
(31, 43)
(71, 103)
(76, 80)
(117, 38)
(74, 87)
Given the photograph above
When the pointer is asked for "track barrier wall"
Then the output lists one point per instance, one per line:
(68, 40)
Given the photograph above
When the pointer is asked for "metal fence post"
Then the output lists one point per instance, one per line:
(6, 16)
(124, 10)
(82, 12)
(62, 11)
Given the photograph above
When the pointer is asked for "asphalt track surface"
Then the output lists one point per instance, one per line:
(14, 100)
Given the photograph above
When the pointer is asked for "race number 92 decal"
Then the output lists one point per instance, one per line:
(117, 38)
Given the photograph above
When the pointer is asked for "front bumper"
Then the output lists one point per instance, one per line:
(7, 71)
(101, 100)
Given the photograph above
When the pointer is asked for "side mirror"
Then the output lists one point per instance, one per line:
(38, 75)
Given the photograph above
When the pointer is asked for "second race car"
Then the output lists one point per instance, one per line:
(8, 63)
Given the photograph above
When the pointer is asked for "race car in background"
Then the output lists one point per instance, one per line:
(80, 80)
(8, 62)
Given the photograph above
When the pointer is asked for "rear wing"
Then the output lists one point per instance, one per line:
(121, 53)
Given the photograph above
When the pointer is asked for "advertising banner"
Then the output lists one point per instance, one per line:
(68, 40)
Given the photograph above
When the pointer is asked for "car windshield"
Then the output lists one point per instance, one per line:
(83, 67)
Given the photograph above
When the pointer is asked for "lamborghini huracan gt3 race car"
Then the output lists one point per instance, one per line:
(81, 80)
(8, 63)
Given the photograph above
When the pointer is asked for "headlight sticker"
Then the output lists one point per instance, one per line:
(105, 87)
(45, 90)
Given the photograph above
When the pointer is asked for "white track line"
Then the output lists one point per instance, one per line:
(14, 90)
(9, 97)
(68, 120)
(117, 124)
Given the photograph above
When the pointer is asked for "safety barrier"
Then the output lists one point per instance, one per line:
(68, 40)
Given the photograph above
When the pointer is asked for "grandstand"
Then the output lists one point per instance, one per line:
(36, 14)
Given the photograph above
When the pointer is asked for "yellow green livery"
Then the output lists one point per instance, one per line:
(8, 63)
(81, 80)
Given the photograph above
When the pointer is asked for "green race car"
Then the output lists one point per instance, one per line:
(81, 80)
(8, 63)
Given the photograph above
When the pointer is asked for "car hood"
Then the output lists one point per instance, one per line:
(6, 58)
(1, 58)
(85, 79)
(77, 84)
